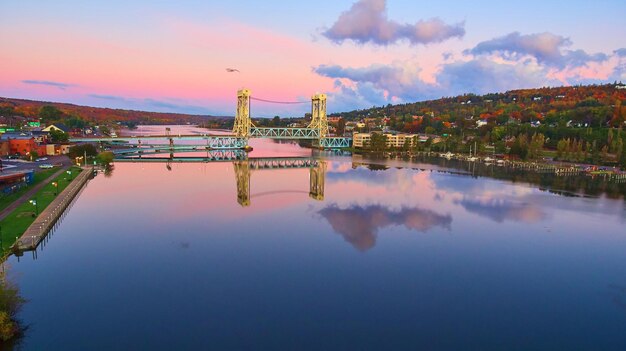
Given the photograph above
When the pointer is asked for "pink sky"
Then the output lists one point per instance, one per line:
(174, 58)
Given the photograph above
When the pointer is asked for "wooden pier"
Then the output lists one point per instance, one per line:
(51, 214)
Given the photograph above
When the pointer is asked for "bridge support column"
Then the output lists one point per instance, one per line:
(243, 123)
(242, 173)
(319, 121)
(317, 177)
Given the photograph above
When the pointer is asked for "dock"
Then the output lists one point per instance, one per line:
(51, 214)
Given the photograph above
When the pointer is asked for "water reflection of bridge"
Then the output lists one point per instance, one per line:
(244, 167)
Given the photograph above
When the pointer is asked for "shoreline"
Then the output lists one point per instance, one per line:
(46, 220)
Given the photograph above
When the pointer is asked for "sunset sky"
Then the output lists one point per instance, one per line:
(172, 56)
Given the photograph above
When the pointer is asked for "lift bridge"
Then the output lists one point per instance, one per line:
(244, 167)
(243, 129)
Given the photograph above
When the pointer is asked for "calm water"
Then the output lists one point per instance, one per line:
(391, 258)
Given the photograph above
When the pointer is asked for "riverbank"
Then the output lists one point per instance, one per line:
(36, 232)
(543, 166)
(27, 213)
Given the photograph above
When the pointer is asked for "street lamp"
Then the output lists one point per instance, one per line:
(34, 203)
(56, 188)
(70, 174)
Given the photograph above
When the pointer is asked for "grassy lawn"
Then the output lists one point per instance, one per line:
(39, 177)
(19, 220)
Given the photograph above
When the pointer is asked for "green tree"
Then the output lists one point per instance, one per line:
(561, 148)
(416, 145)
(500, 146)
(49, 113)
(536, 146)
(58, 136)
(623, 158)
(10, 304)
(619, 150)
(81, 149)
(105, 130)
(579, 151)
(595, 153)
(33, 155)
(378, 142)
(276, 121)
(520, 147)
(105, 157)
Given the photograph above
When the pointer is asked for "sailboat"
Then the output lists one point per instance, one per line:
(472, 158)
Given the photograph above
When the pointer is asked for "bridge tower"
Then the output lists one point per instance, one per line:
(317, 176)
(319, 121)
(242, 173)
(243, 123)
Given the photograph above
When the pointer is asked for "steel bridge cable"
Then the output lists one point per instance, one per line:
(279, 102)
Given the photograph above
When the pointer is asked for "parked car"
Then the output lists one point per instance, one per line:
(45, 165)
(42, 159)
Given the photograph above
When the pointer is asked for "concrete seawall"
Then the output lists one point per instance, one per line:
(51, 214)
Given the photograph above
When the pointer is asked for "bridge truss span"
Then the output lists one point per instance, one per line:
(284, 133)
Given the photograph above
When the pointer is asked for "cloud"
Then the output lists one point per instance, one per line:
(149, 104)
(107, 97)
(59, 85)
(359, 225)
(367, 21)
(482, 76)
(546, 47)
(511, 62)
(400, 81)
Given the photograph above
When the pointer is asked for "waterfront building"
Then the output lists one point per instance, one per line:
(360, 140)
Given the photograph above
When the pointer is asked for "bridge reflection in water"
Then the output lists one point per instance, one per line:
(244, 167)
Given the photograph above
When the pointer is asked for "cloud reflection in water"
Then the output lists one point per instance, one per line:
(500, 210)
(359, 225)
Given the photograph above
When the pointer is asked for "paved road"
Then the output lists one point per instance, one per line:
(25, 166)
(30, 193)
